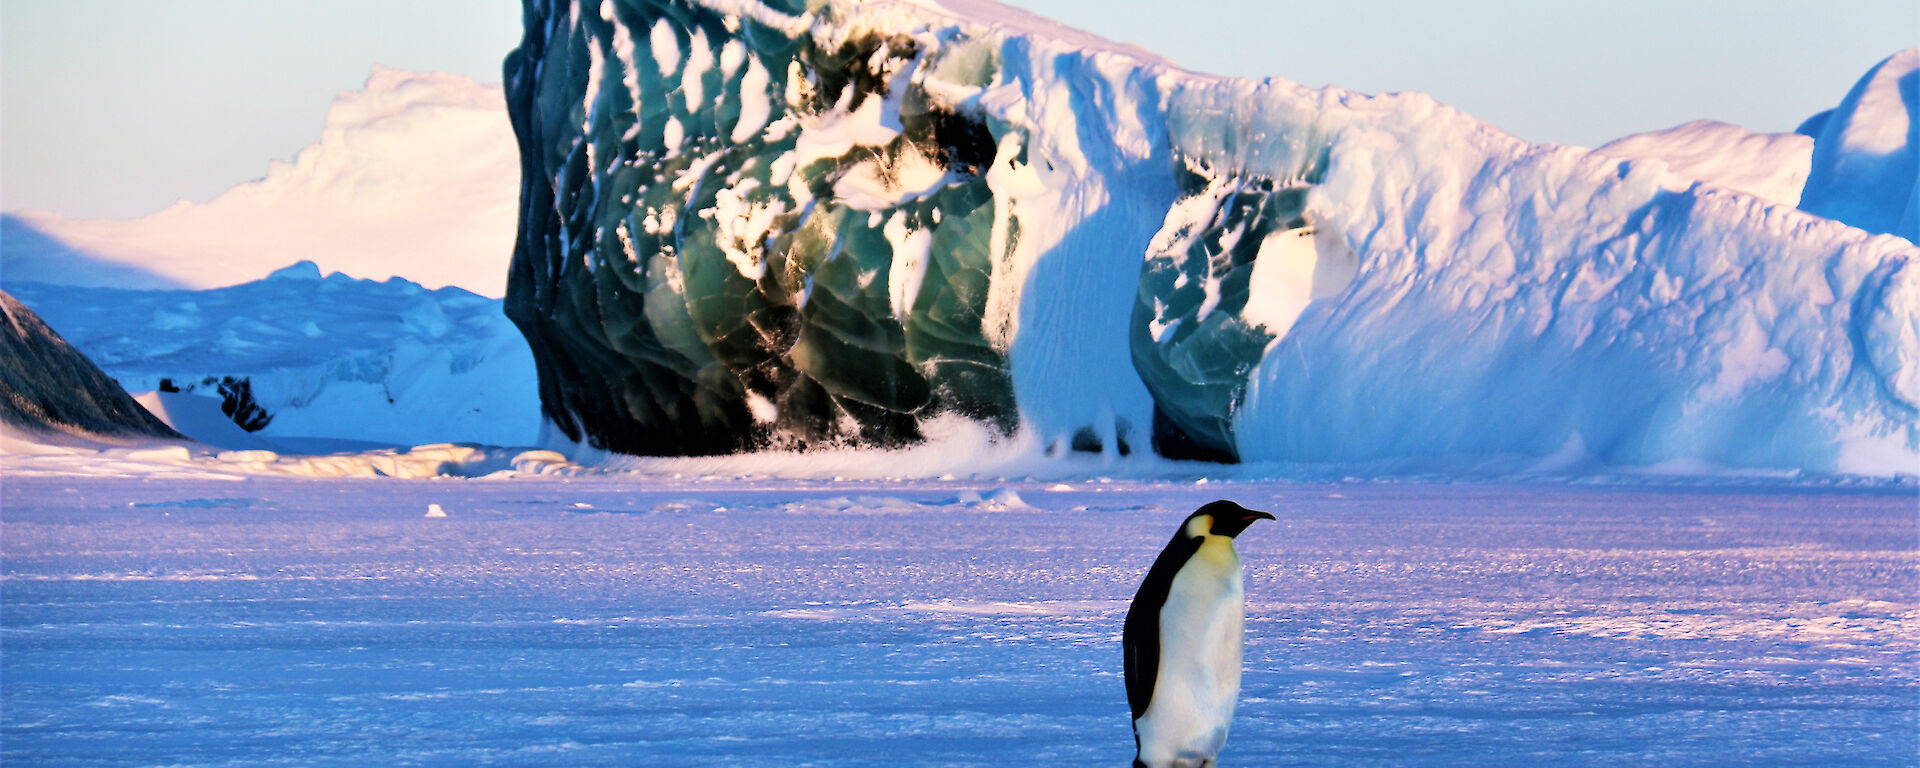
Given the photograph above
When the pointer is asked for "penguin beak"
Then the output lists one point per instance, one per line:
(1237, 524)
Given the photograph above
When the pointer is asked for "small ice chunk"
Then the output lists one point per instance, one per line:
(1006, 498)
(171, 454)
(1000, 500)
(764, 411)
(434, 510)
(248, 457)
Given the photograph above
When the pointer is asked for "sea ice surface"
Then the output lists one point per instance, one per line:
(632, 619)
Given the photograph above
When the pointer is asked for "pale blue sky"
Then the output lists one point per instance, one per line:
(118, 107)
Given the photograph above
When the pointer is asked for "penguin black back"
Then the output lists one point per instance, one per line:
(1141, 636)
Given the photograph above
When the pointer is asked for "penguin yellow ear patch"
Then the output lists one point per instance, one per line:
(1200, 526)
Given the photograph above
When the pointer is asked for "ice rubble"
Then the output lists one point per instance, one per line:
(411, 177)
(61, 415)
(752, 224)
(313, 363)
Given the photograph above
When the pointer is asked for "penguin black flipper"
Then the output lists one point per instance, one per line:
(1141, 636)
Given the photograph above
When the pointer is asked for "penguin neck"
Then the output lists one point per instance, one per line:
(1217, 551)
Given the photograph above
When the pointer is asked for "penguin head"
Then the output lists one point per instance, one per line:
(1221, 518)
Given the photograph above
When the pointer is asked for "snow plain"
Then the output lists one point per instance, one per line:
(644, 619)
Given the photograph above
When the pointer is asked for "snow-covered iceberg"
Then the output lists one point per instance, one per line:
(412, 177)
(750, 224)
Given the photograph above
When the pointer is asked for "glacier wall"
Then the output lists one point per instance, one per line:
(786, 224)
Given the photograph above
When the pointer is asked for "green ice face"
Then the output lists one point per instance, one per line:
(735, 237)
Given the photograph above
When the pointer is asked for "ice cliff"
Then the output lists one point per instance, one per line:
(749, 224)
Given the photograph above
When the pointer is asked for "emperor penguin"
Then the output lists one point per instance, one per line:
(1183, 641)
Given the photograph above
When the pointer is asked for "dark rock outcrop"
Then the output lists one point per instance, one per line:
(47, 386)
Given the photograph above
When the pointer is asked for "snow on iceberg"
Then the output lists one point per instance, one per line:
(310, 362)
(1866, 158)
(412, 177)
(1769, 166)
(753, 224)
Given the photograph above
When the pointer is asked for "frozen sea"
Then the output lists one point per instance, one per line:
(640, 621)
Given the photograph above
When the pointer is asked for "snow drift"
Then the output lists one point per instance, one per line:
(1772, 167)
(412, 177)
(750, 224)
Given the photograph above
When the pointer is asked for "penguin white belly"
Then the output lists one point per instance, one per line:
(1198, 682)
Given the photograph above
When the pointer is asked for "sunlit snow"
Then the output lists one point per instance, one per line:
(412, 176)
